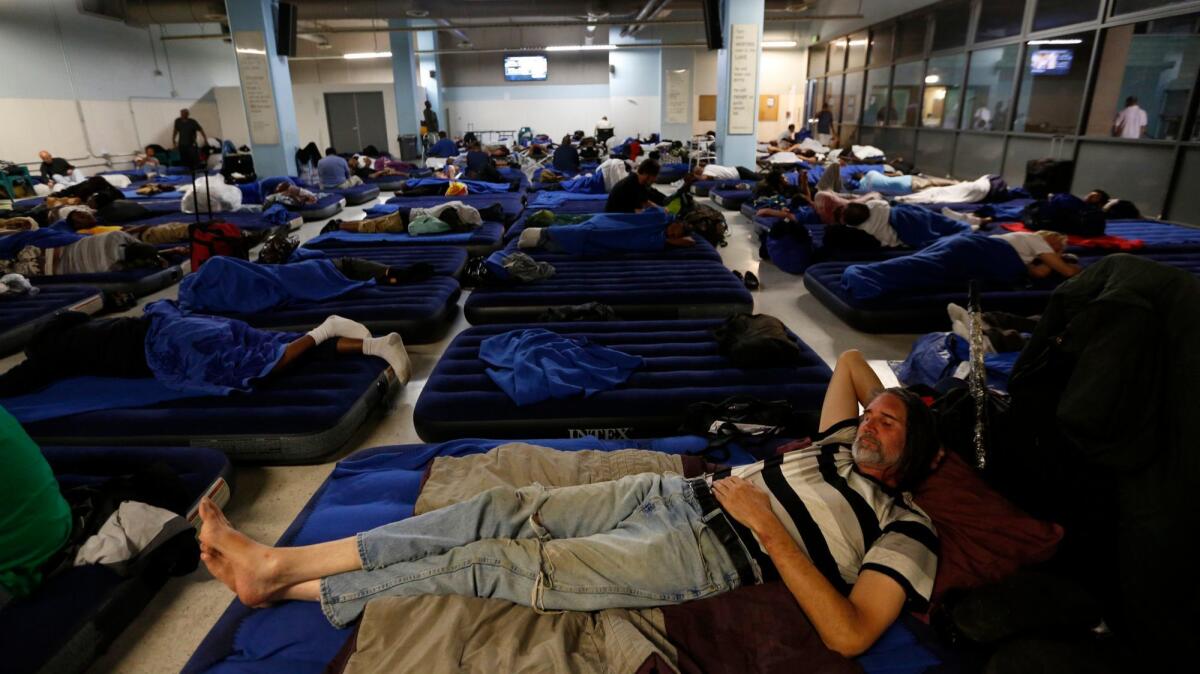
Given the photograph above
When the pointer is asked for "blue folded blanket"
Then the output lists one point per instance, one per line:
(607, 234)
(209, 355)
(535, 365)
(89, 394)
(949, 264)
(473, 186)
(553, 199)
(228, 285)
(937, 355)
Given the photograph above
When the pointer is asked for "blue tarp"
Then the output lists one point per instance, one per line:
(949, 263)
(228, 285)
(535, 365)
(937, 355)
(919, 227)
(208, 354)
(613, 233)
(77, 395)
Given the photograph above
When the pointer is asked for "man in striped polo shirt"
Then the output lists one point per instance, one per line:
(832, 520)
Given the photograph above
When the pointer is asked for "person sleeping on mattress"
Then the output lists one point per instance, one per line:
(952, 262)
(48, 252)
(835, 521)
(204, 355)
(609, 234)
(452, 216)
(290, 195)
(900, 225)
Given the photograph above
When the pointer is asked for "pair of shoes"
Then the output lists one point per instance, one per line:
(749, 279)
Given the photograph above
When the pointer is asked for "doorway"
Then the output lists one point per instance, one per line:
(356, 120)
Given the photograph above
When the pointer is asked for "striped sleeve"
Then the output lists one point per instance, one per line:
(907, 552)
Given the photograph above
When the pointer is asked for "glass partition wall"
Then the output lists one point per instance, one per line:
(968, 87)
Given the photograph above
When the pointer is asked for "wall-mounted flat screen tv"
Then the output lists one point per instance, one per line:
(524, 68)
(1050, 61)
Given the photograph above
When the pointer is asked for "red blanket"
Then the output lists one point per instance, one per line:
(1105, 242)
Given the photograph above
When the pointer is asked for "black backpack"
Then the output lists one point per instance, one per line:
(708, 222)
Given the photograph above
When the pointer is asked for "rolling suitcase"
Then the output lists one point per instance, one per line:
(1051, 175)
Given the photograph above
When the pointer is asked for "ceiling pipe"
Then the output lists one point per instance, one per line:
(445, 24)
(644, 13)
(577, 24)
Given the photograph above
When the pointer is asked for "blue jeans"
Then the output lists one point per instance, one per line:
(637, 542)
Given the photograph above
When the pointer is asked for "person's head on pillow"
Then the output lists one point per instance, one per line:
(897, 439)
(855, 214)
(81, 219)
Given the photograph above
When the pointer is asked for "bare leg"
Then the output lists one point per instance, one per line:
(853, 383)
(259, 573)
(294, 351)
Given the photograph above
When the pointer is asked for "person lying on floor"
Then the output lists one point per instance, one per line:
(718, 172)
(290, 195)
(775, 184)
(607, 234)
(205, 355)
(834, 520)
(897, 184)
(1114, 209)
(46, 252)
(954, 261)
(635, 192)
(452, 216)
(900, 225)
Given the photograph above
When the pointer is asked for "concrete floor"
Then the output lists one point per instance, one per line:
(266, 499)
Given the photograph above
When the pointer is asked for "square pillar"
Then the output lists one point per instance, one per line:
(266, 87)
(737, 82)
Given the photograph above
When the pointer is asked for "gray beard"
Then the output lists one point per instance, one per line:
(866, 455)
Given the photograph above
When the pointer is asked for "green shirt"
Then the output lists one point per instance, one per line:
(35, 520)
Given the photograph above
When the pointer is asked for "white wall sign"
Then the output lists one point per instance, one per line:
(743, 78)
(257, 94)
(678, 95)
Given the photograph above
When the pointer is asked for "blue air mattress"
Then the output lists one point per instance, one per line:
(304, 414)
(703, 188)
(669, 173)
(682, 366)
(479, 241)
(421, 312)
(359, 194)
(926, 311)
(683, 283)
(511, 203)
(139, 282)
(730, 198)
(68, 622)
(22, 315)
(327, 206)
(567, 202)
(446, 260)
(378, 486)
(247, 221)
(387, 183)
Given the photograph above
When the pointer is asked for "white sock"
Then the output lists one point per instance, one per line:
(390, 348)
(336, 326)
(973, 220)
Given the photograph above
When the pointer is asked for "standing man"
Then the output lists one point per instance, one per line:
(825, 125)
(1131, 122)
(184, 139)
(431, 120)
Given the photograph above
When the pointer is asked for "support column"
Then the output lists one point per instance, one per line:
(431, 86)
(737, 82)
(266, 87)
(410, 98)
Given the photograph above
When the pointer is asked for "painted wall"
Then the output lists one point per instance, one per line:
(81, 86)
(554, 110)
(634, 90)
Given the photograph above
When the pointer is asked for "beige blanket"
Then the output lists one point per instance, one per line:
(467, 634)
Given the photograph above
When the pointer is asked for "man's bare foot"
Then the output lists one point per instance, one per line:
(243, 565)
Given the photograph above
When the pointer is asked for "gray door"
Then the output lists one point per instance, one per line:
(356, 120)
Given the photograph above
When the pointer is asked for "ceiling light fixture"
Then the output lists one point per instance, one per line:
(932, 79)
(248, 50)
(778, 44)
(356, 56)
(1061, 41)
(591, 28)
(582, 47)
